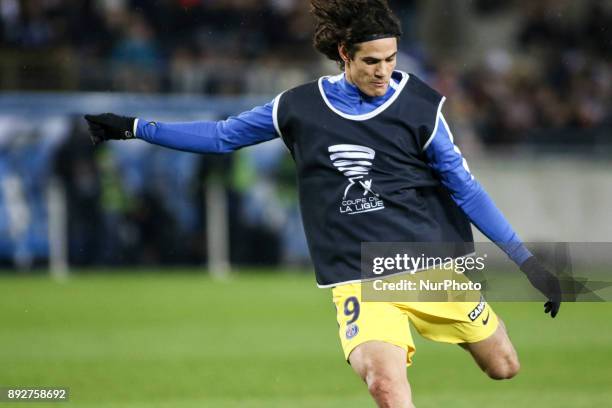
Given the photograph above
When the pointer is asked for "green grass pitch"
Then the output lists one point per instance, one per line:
(177, 339)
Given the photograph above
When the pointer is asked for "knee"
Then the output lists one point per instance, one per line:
(382, 367)
(381, 387)
(504, 369)
(387, 391)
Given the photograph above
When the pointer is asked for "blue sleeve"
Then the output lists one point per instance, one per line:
(448, 163)
(246, 129)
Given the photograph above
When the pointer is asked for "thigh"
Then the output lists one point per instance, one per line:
(361, 322)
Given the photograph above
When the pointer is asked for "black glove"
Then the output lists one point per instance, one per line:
(109, 126)
(544, 281)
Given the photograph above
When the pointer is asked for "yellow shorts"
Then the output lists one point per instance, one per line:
(448, 322)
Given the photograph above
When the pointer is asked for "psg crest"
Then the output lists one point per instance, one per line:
(351, 331)
(355, 162)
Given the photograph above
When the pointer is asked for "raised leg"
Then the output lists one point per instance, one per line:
(495, 355)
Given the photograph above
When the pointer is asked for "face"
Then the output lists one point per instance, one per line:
(371, 67)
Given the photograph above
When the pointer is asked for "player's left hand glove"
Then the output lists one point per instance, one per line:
(109, 126)
(544, 281)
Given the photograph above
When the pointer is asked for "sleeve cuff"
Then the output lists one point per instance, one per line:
(135, 130)
(518, 253)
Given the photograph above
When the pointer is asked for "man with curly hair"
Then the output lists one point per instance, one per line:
(376, 162)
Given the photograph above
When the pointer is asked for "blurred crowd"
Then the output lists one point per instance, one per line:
(554, 88)
(162, 45)
(137, 204)
(555, 72)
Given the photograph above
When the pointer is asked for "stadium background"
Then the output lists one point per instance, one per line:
(140, 322)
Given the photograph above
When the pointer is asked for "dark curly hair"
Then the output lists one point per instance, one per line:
(350, 22)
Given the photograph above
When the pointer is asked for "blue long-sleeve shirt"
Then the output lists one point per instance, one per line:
(257, 126)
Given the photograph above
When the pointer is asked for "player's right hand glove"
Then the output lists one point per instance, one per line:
(109, 126)
(544, 281)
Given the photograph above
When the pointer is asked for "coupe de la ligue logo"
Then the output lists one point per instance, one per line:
(355, 162)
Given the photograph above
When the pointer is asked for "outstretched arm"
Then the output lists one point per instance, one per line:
(452, 169)
(248, 128)
(448, 162)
